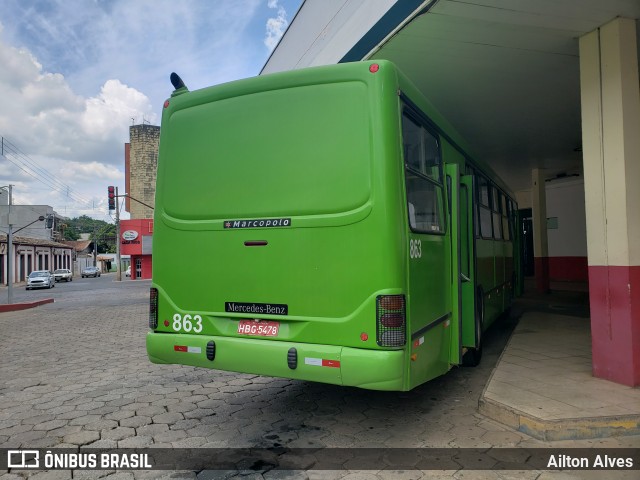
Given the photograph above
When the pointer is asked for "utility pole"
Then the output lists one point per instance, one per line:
(118, 260)
(10, 255)
(95, 248)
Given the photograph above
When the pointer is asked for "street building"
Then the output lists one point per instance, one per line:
(31, 254)
(135, 241)
(33, 245)
(141, 164)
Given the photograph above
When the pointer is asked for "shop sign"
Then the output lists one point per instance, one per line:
(130, 235)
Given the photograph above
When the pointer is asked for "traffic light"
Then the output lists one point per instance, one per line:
(112, 197)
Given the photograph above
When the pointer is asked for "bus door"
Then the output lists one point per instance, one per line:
(467, 263)
(462, 248)
(453, 193)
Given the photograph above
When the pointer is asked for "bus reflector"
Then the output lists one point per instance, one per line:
(153, 308)
(292, 358)
(211, 350)
(374, 67)
(391, 322)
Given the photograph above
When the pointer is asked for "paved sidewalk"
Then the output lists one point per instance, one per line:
(543, 386)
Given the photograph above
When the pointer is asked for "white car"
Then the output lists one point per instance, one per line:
(63, 274)
(40, 279)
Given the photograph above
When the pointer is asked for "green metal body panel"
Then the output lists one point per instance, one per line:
(320, 148)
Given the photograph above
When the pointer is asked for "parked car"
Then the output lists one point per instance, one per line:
(63, 274)
(127, 272)
(90, 272)
(40, 279)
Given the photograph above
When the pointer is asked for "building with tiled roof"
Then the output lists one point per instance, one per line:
(31, 254)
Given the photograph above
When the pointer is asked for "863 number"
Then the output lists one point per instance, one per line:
(415, 248)
(187, 323)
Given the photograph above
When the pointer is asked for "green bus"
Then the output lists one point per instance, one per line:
(324, 224)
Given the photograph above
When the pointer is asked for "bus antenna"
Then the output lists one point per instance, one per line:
(176, 81)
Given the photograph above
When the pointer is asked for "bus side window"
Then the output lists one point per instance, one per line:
(423, 172)
(484, 208)
(497, 218)
(426, 199)
(412, 216)
(505, 217)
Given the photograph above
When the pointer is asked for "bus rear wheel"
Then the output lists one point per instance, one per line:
(473, 356)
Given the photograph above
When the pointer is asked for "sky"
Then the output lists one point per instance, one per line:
(75, 74)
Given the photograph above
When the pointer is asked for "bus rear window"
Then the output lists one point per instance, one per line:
(295, 151)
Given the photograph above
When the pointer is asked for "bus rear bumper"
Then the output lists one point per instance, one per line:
(357, 367)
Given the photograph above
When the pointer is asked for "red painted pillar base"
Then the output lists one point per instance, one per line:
(614, 294)
(541, 272)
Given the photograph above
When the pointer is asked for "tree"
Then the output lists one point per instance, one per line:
(100, 232)
(105, 238)
(69, 232)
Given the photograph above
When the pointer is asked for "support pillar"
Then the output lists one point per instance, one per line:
(540, 242)
(610, 98)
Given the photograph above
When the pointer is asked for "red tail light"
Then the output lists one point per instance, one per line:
(391, 325)
(392, 320)
(391, 302)
(153, 308)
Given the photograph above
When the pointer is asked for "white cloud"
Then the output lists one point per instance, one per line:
(87, 172)
(113, 109)
(275, 26)
(61, 137)
(74, 74)
(42, 115)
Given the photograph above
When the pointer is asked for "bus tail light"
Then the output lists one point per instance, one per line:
(392, 320)
(391, 323)
(153, 308)
(391, 302)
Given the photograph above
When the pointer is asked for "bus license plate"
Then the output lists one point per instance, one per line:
(262, 328)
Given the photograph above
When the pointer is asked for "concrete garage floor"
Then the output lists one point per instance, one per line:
(542, 384)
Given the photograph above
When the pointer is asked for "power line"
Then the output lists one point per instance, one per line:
(27, 165)
(21, 160)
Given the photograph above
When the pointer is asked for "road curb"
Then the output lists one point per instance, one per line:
(560, 429)
(23, 306)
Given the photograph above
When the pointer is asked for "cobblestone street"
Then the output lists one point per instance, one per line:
(75, 373)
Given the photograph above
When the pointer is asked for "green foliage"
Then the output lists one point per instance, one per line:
(100, 231)
(69, 233)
